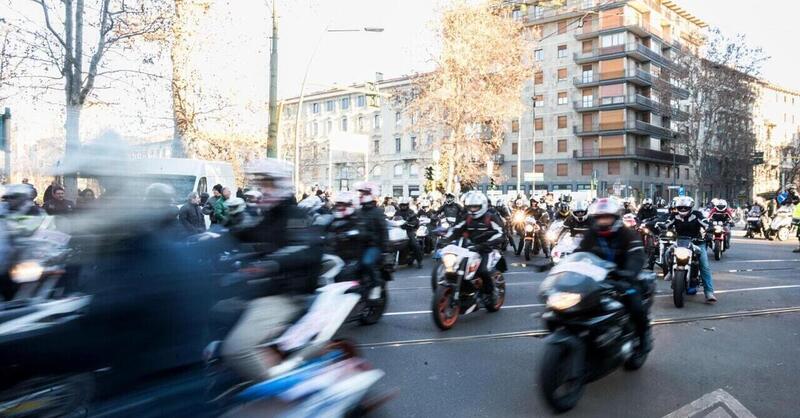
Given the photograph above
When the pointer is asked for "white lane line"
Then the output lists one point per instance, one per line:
(709, 406)
(762, 261)
(428, 276)
(669, 295)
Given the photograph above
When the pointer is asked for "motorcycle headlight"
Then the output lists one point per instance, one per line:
(518, 217)
(646, 230)
(529, 228)
(450, 262)
(561, 301)
(551, 236)
(670, 234)
(717, 229)
(445, 225)
(682, 255)
(27, 271)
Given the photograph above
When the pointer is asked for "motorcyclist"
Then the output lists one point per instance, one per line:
(690, 223)
(646, 211)
(373, 226)
(627, 206)
(542, 219)
(789, 197)
(19, 200)
(609, 240)
(425, 209)
(346, 239)
(291, 258)
(412, 222)
(485, 232)
(451, 208)
(562, 211)
(722, 213)
(578, 222)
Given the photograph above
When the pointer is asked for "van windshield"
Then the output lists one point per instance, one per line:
(182, 184)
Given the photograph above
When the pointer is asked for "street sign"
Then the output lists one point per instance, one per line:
(533, 176)
(681, 191)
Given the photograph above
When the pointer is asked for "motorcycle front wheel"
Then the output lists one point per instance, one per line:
(445, 309)
(526, 250)
(499, 296)
(374, 308)
(561, 391)
(436, 273)
(783, 233)
(678, 287)
(717, 250)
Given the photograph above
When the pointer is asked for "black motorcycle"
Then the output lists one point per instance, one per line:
(591, 331)
(753, 223)
(684, 256)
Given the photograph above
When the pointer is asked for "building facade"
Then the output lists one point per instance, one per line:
(776, 120)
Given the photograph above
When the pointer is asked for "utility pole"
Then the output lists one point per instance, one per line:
(272, 133)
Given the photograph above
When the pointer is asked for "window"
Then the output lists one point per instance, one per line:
(515, 125)
(413, 170)
(668, 174)
(678, 173)
(538, 11)
(586, 169)
(658, 171)
(345, 103)
(398, 170)
(361, 101)
(612, 94)
(516, 14)
(315, 129)
(398, 117)
(514, 148)
(615, 39)
(376, 121)
(538, 124)
(562, 145)
(587, 4)
(538, 100)
(562, 74)
(377, 171)
(397, 145)
(587, 98)
(587, 74)
(562, 51)
(361, 124)
(315, 108)
(344, 124)
(538, 55)
(538, 147)
(413, 142)
(686, 172)
(635, 168)
(538, 78)
(330, 106)
(397, 191)
(562, 169)
(202, 185)
(647, 169)
(562, 122)
(562, 97)
(562, 27)
(587, 47)
(613, 167)
(538, 168)
(513, 170)
(376, 147)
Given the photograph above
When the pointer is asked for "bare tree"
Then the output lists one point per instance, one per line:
(718, 136)
(475, 88)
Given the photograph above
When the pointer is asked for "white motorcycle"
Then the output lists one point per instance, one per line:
(565, 246)
(397, 247)
(781, 225)
(423, 234)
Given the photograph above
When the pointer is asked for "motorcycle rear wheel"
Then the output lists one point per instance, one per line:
(559, 392)
(678, 287)
(445, 310)
(783, 233)
(65, 396)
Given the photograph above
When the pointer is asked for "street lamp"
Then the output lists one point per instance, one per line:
(296, 174)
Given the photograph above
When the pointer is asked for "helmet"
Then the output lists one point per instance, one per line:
(563, 208)
(476, 204)
(629, 220)
(602, 209)
(519, 203)
(367, 191)
(252, 196)
(673, 204)
(344, 204)
(159, 193)
(566, 198)
(647, 203)
(424, 203)
(721, 205)
(662, 203)
(273, 178)
(580, 210)
(534, 202)
(15, 195)
(500, 202)
(403, 201)
(311, 205)
(684, 205)
(791, 187)
(235, 205)
(449, 198)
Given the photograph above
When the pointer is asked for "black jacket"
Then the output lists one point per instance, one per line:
(541, 216)
(412, 222)
(624, 248)
(503, 211)
(691, 226)
(373, 225)
(191, 219)
(451, 210)
(486, 231)
(59, 207)
(576, 226)
(646, 213)
(345, 238)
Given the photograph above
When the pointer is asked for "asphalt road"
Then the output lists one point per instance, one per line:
(732, 359)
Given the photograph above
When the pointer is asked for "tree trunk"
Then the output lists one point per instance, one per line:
(73, 143)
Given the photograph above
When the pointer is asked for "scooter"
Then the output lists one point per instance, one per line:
(781, 225)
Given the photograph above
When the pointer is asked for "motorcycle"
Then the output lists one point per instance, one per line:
(397, 247)
(553, 233)
(591, 332)
(317, 375)
(665, 240)
(629, 220)
(718, 238)
(684, 271)
(753, 223)
(374, 299)
(781, 225)
(646, 230)
(459, 288)
(566, 246)
(423, 234)
(440, 232)
(532, 239)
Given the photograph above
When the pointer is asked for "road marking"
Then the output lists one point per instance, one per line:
(752, 289)
(762, 261)
(714, 404)
(428, 276)
(530, 305)
(394, 289)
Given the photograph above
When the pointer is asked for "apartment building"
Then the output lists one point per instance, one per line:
(776, 120)
(602, 101)
(396, 156)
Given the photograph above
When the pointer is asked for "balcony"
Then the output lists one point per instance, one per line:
(643, 154)
(635, 50)
(636, 127)
(636, 76)
(595, 27)
(635, 101)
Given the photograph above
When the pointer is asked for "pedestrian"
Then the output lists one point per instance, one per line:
(58, 205)
(85, 198)
(220, 209)
(191, 215)
(208, 206)
(35, 192)
(48, 192)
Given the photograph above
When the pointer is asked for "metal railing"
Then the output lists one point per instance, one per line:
(622, 152)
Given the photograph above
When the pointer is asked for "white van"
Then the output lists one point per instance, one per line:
(183, 174)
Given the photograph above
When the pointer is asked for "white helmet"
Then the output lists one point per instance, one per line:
(404, 201)
(721, 205)
(424, 203)
(273, 178)
(235, 205)
(252, 196)
(367, 191)
(647, 202)
(580, 210)
(684, 204)
(476, 203)
(344, 204)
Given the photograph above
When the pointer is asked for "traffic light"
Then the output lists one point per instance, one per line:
(758, 158)
(429, 173)
(492, 185)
